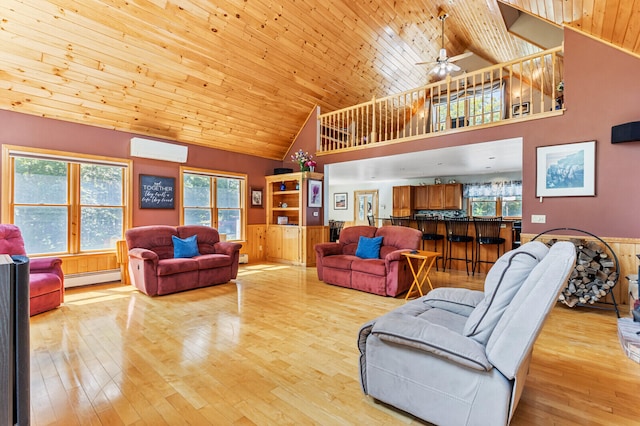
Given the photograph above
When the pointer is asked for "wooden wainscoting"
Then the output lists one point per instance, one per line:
(255, 245)
(625, 249)
(86, 263)
(313, 235)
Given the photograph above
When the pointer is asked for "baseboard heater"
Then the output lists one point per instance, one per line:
(89, 278)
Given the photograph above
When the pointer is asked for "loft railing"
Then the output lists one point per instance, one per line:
(521, 89)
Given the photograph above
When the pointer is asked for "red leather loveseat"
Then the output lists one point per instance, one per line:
(388, 274)
(156, 271)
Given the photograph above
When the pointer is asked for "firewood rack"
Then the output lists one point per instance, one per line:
(613, 305)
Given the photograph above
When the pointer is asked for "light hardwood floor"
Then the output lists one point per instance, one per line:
(279, 347)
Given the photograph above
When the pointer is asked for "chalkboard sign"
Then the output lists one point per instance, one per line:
(157, 192)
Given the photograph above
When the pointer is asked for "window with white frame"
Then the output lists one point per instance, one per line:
(495, 199)
(65, 204)
(216, 200)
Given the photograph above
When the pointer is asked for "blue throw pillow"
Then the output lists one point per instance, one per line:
(369, 248)
(187, 247)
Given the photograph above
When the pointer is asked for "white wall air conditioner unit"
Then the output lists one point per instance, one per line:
(155, 150)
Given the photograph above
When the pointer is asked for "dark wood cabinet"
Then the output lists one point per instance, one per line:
(403, 200)
(436, 197)
(408, 198)
(452, 196)
(446, 196)
(421, 194)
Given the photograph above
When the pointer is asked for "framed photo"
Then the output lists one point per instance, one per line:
(520, 109)
(256, 197)
(566, 170)
(157, 192)
(340, 201)
(315, 193)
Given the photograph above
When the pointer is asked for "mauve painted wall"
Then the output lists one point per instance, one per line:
(33, 131)
(306, 140)
(602, 89)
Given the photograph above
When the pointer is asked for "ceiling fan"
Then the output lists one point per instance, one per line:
(443, 64)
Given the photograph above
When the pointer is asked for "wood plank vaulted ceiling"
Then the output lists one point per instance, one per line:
(243, 75)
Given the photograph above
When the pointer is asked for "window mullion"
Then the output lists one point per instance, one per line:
(214, 202)
(74, 208)
(9, 215)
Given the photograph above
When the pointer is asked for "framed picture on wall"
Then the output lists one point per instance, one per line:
(256, 197)
(340, 201)
(567, 170)
(157, 192)
(315, 193)
(520, 109)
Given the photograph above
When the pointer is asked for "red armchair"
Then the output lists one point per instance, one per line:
(46, 280)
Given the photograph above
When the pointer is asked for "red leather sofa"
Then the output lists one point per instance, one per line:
(388, 275)
(155, 271)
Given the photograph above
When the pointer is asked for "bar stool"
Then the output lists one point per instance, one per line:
(487, 232)
(401, 220)
(457, 232)
(335, 227)
(429, 228)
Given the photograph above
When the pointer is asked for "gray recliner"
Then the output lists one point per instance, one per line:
(459, 356)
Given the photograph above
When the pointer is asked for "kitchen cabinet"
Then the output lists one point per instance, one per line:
(452, 196)
(421, 194)
(407, 198)
(446, 196)
(403, 200)
(436, 197)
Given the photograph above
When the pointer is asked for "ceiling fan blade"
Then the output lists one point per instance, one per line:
(453, 67)
(460, 56)
(426, 63)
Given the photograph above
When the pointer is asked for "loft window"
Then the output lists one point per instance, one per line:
(470, 106)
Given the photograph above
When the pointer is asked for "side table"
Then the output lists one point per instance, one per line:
(424, 260)
(122, 258)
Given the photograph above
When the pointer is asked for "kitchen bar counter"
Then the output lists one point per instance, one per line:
(487, 252)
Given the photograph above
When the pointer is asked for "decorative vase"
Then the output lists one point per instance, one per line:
(283, 187)
(312, 168)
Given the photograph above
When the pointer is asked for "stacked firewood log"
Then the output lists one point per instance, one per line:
(593, 277)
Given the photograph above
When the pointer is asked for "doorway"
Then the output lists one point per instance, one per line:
(366, 204)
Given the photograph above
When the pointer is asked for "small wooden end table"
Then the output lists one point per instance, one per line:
(122, 258)
(426, 259)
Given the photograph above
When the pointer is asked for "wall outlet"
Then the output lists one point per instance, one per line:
(315, 214)
(538, 218)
